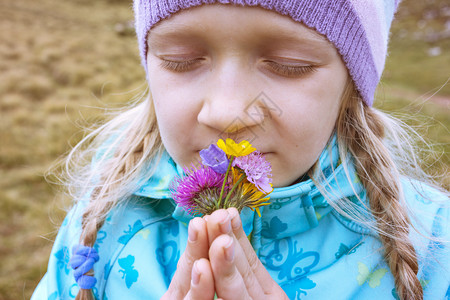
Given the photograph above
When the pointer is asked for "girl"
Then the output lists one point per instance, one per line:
(297, 79)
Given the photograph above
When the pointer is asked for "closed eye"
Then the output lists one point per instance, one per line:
(285, 70)
(179, 66)
(291, 71)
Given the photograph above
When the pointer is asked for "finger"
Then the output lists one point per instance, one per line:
(257, 268)
(196, 248)
(219, 222)
(202, 282)
(251, 281)
(228, 281)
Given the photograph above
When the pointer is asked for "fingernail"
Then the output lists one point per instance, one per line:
(206, 218)
(225, 225)
(195, 274)
(235, 221)
(192, 234)
(229, 250)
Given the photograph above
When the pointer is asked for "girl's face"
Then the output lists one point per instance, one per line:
(218, 71)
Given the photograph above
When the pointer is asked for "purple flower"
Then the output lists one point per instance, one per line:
(215, 158)
(257, 169)
(186, 190)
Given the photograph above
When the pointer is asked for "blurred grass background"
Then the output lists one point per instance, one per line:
(59, 59)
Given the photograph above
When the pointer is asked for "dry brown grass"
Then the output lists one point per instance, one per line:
(58, 59)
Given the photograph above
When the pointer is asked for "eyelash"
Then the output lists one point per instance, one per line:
(289, 71)
(176, 66)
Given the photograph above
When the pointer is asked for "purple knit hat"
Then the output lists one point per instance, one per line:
(359, 29)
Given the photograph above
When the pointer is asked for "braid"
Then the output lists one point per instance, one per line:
(116, 173)
(361, 129)
(88, 237)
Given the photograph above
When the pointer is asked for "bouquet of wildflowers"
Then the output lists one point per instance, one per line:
(231, 175)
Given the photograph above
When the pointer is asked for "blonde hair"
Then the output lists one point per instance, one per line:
(103, 169)
(379, 146)
(123, 148)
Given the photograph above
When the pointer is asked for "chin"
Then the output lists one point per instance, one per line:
(281, 180)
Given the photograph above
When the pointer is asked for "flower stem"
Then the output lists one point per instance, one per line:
(233, 188)
(224, 182)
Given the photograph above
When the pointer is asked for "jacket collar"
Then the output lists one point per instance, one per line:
(302, 204)
(157, 187)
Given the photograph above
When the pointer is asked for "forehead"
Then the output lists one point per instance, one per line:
(232, 22)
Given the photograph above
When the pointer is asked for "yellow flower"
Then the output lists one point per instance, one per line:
(254, 194)
(244, 193)
(231, 148)
(255, 198)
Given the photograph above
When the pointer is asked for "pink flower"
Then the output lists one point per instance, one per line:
(187, 190)
(257, 169)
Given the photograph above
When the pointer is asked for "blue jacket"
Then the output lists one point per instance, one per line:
(309, 249)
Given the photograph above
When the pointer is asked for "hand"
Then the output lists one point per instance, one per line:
(193, 278)
(236, 270)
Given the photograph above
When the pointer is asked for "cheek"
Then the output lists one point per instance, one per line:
(311, 112)
(177, 122)
(305, 126)
(170, 106)
(176, 137)
(171, 116)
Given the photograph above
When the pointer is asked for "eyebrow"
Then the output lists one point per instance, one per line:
(294, 37)
(277, 34)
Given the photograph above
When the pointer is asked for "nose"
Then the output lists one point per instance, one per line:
(231, 101)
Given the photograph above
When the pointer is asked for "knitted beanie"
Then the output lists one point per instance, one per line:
(359, 29)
